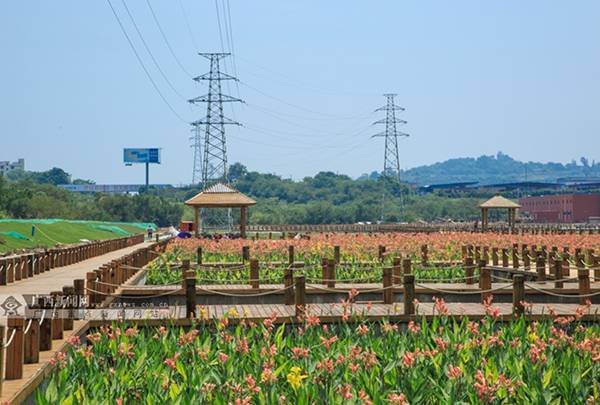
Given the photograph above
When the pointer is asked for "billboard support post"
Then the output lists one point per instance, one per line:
(142, 155)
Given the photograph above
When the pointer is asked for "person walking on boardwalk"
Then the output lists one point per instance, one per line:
(149, 230)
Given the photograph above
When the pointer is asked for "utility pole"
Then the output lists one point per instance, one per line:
(391, 160)
(214, 161)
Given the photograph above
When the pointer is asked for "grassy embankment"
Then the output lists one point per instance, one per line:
(52, 232)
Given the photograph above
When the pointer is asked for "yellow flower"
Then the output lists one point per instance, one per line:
(295, 377)
(233, 313)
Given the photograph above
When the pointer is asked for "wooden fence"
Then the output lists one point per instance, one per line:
(18, 267)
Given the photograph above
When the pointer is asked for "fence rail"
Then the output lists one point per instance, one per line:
(465, 227)
(17, 267)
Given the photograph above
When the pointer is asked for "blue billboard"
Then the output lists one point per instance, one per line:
(141, 155)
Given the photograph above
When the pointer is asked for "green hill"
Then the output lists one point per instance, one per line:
(498, 169)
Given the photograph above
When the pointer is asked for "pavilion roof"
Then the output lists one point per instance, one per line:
(499, 202)
(220, 195)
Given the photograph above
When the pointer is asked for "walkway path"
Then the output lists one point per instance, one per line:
(55, 279)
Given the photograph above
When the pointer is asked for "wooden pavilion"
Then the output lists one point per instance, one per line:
(220, 196)
(499, 202)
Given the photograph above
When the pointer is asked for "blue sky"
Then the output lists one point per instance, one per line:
(475, 77)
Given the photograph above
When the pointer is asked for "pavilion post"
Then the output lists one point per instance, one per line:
(196, 223)
(243, 222)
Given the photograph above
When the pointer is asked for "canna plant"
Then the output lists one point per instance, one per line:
(443, 361)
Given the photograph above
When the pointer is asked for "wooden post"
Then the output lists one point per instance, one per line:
(331, 273)
(336, 254)
(469, 279)
(57, 320)
(485, 281)
(45, 326)
(243, 221)
(288, 281)
(381, 252)
(518, 294)
(190, 293)
(245, 253)
(583, 276)
(3, 265)
(504, 257)
(409, 294)
(69, 295)
(424, 255)
(397, 273)
(254, 273)
(32, 343)
(406, 266)
(1, 356)
(540, 266)
(558, 273)
(324, 271)
(14, 351)
(526, 258)
(90, 281)
(515, 258)
(291, 255)
(79, 292)
(494, 256)
(300, 296)
(388, 293)
(199, 255)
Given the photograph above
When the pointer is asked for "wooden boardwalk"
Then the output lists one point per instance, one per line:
(55, 279)
(329, 312)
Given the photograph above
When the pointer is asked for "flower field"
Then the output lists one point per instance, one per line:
(359, 255)
(364, 247)
(440, 362)
(160, 273)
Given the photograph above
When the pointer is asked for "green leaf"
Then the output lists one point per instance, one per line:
(547, 379)
(174, 391)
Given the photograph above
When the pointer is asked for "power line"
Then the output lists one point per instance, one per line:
(304, 117)
(150, 52)
(232, 47)
(223, 51)
(162, 33)
(141, 62)
(293, 105)
(187, 24)
(306, 85)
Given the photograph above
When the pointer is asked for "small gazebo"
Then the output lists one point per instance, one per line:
(220, 196)
(499, 202)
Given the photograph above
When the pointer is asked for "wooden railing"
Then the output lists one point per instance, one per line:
(26, 338)
(18, 267)
(458, 227)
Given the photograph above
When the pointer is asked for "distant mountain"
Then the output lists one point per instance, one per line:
(496, 169)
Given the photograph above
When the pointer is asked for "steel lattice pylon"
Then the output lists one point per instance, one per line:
(214, 154)
(391, 159)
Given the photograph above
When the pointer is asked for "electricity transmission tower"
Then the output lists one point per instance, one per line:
(391, 160)
(213, 166)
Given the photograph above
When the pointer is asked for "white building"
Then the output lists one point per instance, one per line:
(7, 166)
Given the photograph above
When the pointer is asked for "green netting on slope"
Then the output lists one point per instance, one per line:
(110, 228)
(50, 221)
(15, 235)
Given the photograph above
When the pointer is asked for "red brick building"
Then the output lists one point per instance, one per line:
(562, 208)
